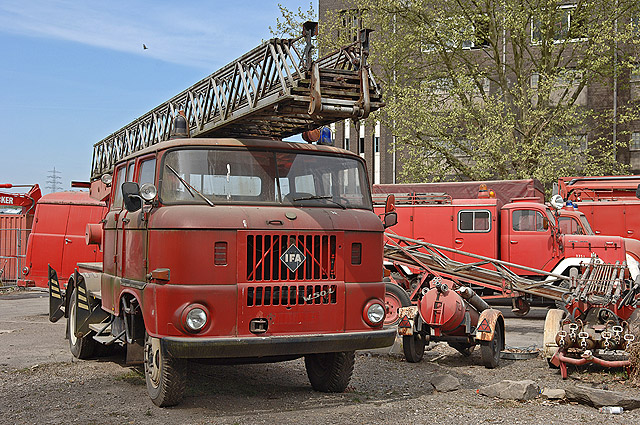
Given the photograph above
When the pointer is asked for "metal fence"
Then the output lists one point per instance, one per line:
(13, 250)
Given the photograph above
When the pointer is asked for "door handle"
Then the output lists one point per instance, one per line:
(458, 240)
(514, 242)
(126, 220)
(67, 240)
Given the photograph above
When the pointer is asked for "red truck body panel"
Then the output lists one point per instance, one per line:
(609, 202)
(58, 236)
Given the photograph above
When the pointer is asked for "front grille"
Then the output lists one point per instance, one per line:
(287, 295)
(264, 252)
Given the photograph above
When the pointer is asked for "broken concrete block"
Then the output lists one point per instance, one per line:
(512, 390)
(599, 398)
(553, 393)
(445, 383)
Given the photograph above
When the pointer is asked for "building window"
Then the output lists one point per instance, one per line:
(568, 26)
(376, 144)
(350, 24)
(635, 73)
(347, 133)
(361, 145)
(575, 143)
(635, 141)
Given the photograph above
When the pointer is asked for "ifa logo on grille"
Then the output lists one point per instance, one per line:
(292, 258)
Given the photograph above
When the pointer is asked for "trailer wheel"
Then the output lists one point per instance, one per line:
(551, 328)
(81, 348)
(165, 376)
(394, 298)
(490, 350)
(330, 372)
(413, 347)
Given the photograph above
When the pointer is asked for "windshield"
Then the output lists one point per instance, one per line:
(242, 176)
(586, 225)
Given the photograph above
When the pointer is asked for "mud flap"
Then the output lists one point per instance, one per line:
(487, 324)
(407, 318)
(88, 308)
(56, 298)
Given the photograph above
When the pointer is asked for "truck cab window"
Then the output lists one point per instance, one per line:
(147, 172)
(117, 198)
(570, 226)
(527, 221)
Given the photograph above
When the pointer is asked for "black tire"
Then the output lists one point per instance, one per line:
(81, 348)
(164, 375)
(330, 372)
(413, 347)
(394, 297)
(491, 350)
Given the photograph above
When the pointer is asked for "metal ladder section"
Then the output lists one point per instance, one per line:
(431, 258)
(273, 91)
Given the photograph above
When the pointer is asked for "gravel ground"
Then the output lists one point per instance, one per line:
(40, 383)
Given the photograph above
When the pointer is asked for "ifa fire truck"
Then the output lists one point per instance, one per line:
(230, 245)
(610, 203)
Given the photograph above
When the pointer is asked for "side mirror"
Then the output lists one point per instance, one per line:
(390, 219)
(131, 196)
(390, 204)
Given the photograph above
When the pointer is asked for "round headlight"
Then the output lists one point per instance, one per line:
(25, 270)
(557, 202)
(375, 313)
(106, 179)
(196, 319)
(148, 192)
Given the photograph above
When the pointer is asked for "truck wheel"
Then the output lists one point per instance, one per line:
(165, 376)
(491, 350)
(81, 348)
(551, 328)
(330, 372)
(394, 298)
(413, 347)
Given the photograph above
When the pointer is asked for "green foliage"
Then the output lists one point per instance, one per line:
(463, 104)
(290, 25)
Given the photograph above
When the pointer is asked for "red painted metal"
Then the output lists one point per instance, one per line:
(58, 236)
(499, 231)
(609, 202)
(560, 359)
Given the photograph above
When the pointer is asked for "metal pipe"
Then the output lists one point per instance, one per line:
(472, 298)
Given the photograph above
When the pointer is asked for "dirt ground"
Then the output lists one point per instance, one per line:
(40, 383)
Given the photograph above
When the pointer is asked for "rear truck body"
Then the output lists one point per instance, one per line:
(609, 203)
(247, 251)
(57, 237)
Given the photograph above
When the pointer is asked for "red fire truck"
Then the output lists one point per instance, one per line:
(610, 203)
(231, 246)
(524, 231)
(57, 236)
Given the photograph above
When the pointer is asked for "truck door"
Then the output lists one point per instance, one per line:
(476, 232)
(135, 235)
(530, 244)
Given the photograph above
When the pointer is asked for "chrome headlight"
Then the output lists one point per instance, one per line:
(375, 314)
(195, 319)
(148, 192)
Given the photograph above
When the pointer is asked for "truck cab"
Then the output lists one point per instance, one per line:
(235, 251)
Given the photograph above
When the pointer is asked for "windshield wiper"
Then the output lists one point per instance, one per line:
(190, 188)
(314, 197)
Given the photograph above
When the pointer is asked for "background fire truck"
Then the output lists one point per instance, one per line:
(232, 246)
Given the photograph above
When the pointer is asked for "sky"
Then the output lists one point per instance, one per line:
(73, 72)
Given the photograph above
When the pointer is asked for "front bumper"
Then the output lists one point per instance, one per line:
(227, 348)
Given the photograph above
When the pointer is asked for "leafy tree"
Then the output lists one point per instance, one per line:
(482, 89)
